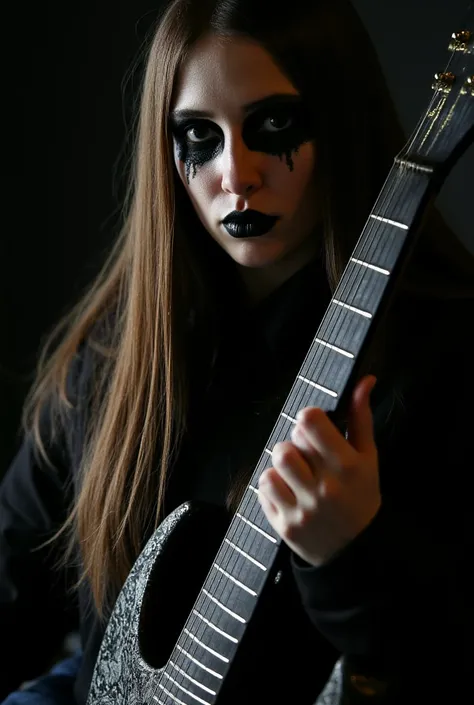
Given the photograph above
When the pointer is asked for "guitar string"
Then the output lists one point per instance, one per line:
(213, 588)
(374, 229)
(215, 584)
(375, 226)
(320, 353)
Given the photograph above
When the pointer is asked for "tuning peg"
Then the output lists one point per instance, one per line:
(468, 86)
(460, 40)
(443, 82)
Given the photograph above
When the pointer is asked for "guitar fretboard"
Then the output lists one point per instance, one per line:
(225, 604)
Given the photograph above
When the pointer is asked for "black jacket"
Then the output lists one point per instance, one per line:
(397, 599)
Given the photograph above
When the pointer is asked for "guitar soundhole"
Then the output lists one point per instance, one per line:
(175, 580)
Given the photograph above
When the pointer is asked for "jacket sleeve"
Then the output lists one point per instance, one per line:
(37, 607)
(398, 598)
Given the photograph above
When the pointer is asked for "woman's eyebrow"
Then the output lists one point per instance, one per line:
(267, 102)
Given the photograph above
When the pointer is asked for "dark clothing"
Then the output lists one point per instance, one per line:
(396, 598)
(55, 688)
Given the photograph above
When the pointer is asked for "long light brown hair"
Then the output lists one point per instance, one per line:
(158, 271)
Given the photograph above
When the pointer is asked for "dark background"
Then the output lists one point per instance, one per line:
(63, 151)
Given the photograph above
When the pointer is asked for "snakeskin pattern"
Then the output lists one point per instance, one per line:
(332, 693)
(121, 677)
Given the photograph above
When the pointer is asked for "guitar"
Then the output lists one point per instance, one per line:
(227, 588)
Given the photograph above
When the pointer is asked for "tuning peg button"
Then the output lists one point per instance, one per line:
(461, 41)
(468, 86)
(444, 82)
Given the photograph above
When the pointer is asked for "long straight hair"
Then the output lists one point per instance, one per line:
(134, 313)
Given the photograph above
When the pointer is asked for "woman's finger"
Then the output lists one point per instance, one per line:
(294, 469)
(275, 489)
(324, 437)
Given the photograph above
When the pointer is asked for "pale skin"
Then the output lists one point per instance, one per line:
(221, 79)
(322, 490)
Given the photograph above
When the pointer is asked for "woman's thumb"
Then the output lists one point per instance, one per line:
(360, 423)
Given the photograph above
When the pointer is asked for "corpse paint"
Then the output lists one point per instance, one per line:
(279, 130)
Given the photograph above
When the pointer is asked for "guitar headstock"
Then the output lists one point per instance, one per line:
(447, 128)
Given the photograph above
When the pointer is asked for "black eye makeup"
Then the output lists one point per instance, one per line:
(277, 127)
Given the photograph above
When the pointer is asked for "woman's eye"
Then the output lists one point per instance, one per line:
(201, 134)
(198, 135)
(277, 123)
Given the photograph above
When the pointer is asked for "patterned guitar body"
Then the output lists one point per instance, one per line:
(152, 608)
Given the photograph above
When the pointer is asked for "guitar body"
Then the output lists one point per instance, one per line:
(122, 674)
(152, 608)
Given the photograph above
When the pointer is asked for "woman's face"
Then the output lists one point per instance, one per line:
(243, 141)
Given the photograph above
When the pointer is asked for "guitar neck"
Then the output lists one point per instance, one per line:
(248, 553)
(249, 549)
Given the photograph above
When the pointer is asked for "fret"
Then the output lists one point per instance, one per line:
(252, 511)
(199, 629)
(242, 570)
(192, 680)
(395, 223)
(362, 288)
(186, 671)
(245, 554)
(248, 571)
(170, 695)
(317, 341)
(343, 329)
(256, 528)
(281, 432)
(214, 627)
(222, 622)
(380, 270)
(380, 245)
(350, 307)
(326, 390)
(304, 394)
(204, 646)
(331, 372)
(264, 463)
(187, 655)
(234, 580)
(221, 605)
(253, 543)
(201, 668)
(189, 692)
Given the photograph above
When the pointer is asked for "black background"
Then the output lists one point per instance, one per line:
(63, 151)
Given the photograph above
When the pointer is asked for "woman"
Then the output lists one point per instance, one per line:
(171, 372)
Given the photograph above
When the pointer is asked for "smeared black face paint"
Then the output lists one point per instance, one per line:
(277, 128)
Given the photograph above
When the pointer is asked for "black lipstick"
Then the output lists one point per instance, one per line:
(249, 223)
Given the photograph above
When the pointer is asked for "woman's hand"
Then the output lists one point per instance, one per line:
(323, 489)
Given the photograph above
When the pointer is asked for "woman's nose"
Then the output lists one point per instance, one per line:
(240, 172)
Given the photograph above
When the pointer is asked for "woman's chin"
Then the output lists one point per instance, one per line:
(257, 252)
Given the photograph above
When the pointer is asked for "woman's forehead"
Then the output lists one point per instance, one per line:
(224, 77)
